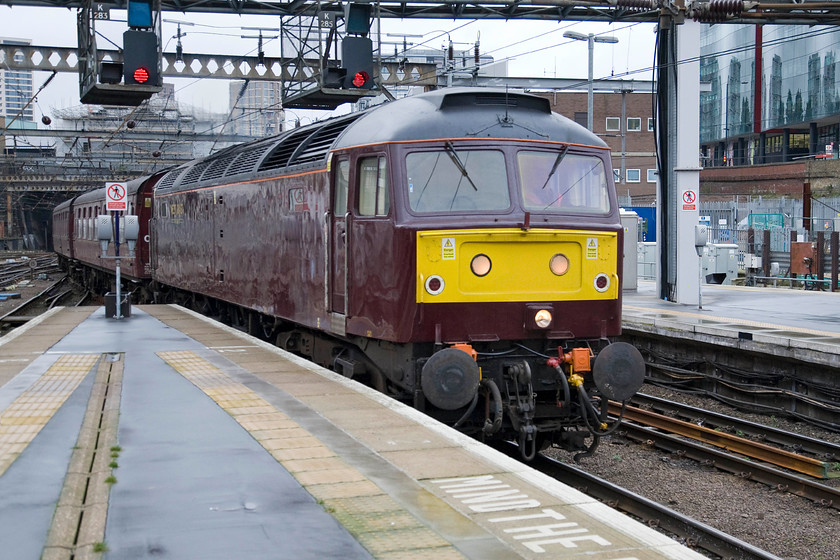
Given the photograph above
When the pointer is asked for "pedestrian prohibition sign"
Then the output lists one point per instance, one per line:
(115, 197)
(689, 199)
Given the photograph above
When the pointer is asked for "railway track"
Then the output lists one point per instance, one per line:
(733, 462)
(46, 299)
(735, 444)
(17, 267)
(804, 399)
(693, 533)
(797, 443)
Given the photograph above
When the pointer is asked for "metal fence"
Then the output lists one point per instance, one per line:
(730, 222)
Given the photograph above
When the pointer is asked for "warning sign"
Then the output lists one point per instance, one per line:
(689, 200)
(448, 248)
(592, 248)
(115, 197)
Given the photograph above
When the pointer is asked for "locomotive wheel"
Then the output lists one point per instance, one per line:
(450, 379)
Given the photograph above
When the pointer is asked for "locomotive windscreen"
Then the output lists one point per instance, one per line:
(457, 180)
(563, 182)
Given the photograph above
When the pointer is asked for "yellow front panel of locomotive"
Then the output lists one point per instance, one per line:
(518, 265)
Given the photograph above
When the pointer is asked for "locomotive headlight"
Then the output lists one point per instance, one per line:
(559, 264)
(481, 265)
(543, 318)
(434, 284)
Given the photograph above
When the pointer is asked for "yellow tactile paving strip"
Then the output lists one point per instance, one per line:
(358, 504)
(30, 412)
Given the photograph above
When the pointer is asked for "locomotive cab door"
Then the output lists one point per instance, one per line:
(337, 273)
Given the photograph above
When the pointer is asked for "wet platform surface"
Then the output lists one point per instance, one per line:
(166, 435)
(797, 320)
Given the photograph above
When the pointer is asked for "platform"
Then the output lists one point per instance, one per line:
(167, 435)
(799, 324)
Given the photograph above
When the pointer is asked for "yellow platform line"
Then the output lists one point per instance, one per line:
(30, 412)
(379, 523)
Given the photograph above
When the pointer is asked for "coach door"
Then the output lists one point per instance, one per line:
(338, 216)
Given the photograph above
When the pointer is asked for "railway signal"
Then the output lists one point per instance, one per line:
(141, 59)
(357, 61)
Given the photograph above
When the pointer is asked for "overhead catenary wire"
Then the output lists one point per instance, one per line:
(632, 72)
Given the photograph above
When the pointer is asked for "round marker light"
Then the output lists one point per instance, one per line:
(543, 318)
(602, 282)
(559, 264)
(141, 75)
(434, 284)
(481, 265)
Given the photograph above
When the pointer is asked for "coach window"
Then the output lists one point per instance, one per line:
(373, 187)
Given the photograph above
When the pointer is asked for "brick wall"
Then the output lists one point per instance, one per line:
(781, 179)
(639, 145)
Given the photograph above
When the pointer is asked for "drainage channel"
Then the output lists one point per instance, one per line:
(78, 527)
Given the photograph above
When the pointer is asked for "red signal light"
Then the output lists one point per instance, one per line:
(360, 79)
(141, 75)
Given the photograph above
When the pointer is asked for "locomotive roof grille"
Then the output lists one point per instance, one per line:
(317, 146)
(194, 174)
(307, 145)
(280, 156)
(245, 161)
(169, 180)
(450, 113)
(218, 167)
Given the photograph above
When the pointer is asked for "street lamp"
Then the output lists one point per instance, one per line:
(591, 39)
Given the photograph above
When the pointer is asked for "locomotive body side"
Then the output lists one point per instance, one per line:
(256, 243)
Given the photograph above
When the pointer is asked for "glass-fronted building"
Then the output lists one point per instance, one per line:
(770, 93)
(15, 89)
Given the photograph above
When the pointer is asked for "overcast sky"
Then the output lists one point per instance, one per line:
(534, 48)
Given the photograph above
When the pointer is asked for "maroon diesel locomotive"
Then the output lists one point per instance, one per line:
(459, 250)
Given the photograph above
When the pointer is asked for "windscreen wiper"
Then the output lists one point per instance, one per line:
(450, 149)
(554, 167)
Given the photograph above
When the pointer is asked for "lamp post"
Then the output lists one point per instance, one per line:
(591, 40)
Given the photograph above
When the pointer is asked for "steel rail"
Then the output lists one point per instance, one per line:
(5, 317)
(787, 482)
(735, 444)
(825, 405)
(826, 450)
(694, 533)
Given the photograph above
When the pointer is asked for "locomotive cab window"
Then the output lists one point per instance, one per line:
(563, 182)
(457, 179)
(373, 187)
